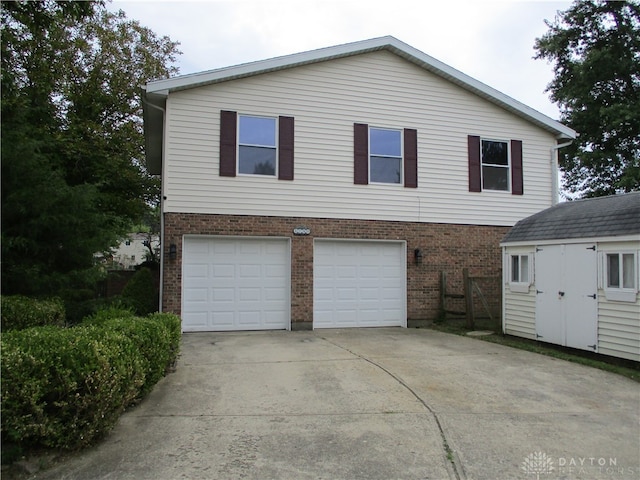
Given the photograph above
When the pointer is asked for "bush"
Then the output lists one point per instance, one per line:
(173, 324)
(116, 310)
(152, 341)
(65, 387)
(141, 293)
(20, 312)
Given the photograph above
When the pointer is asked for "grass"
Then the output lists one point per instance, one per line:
(626, 368)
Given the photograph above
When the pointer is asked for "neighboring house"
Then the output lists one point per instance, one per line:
(133, 251)
(571, 276)
(330, 188)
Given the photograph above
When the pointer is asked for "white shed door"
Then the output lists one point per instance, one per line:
(235, 284)
(359, 284)
(566, 305)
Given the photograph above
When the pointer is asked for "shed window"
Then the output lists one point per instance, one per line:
(620, 274)
(520, 273)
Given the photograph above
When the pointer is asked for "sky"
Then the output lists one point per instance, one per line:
(491, 41)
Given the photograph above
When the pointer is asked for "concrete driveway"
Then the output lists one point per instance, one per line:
(370, 404)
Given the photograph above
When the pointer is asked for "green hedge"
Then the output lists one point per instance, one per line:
(141, 293)
(66, 387)
(20, 312)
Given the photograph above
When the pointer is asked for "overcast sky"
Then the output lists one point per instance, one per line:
(491, 41)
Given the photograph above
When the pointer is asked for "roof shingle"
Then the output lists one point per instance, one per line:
(594, 217)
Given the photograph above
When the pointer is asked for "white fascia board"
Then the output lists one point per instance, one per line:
(569, 241)
(389, 43)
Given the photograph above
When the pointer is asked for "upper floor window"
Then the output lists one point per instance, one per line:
(385, 155)
(257, 147)
(495, 165)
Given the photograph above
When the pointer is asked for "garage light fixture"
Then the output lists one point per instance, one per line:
(301, 231)
(173, 251)
(417, 253)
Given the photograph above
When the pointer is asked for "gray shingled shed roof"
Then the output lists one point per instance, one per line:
(594, 217)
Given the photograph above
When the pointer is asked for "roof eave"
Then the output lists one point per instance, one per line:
(392, 44)
(153, 105)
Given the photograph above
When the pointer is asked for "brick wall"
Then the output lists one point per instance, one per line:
(445, 247)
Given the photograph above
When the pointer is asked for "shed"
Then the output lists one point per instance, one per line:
(571, 276)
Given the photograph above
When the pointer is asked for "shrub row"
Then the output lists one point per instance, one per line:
(66, 387)
(20, 312)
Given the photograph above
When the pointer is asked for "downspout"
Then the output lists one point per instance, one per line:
(503, 288)
(555, 187)
(162, 249)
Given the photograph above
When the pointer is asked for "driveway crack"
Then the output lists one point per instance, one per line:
(454, 462)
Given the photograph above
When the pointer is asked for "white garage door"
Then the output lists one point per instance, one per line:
(235, 284)
(359, 284)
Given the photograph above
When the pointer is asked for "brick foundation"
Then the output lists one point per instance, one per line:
(445, 247)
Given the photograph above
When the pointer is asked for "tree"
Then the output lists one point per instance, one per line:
(73, 178)
(595, 50)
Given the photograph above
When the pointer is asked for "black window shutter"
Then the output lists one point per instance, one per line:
(475, 176)
(410, 158)
(285, 148)
(360, 153)
(517, 183)
(228, 127)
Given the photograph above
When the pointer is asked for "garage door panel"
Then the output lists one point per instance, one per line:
(245, 280)
(274, 295)
(223, 271)
(359, 283)
(221, 294)
(369, 293)
(197, 270)
(391, 293)
(250, 294)
(250, 271)
(199, 295)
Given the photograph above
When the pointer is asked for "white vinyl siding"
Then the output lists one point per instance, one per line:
(520, 314)
(519, 303)
(619, 329)
(326, 99)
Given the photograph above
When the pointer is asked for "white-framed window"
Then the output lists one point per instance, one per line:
(494, 157)
(619, 276)
(520, 272)
(257, 145)
(385, 155)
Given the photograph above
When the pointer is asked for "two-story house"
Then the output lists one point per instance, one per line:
(330, 188)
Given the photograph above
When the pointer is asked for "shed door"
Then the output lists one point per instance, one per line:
(581, 287)
(549, 305)
(566, 305)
